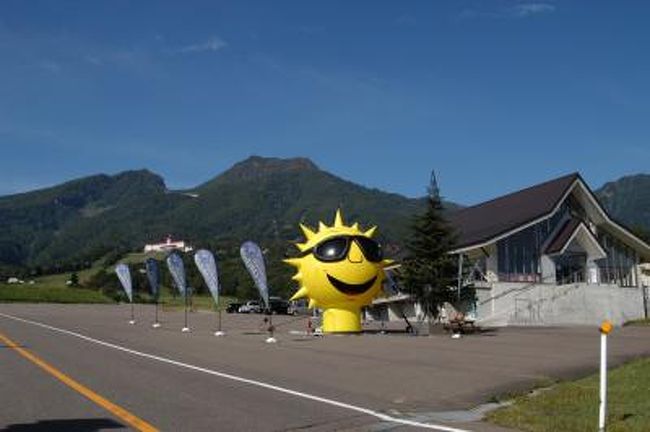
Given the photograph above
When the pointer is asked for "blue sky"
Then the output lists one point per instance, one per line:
(493, 95)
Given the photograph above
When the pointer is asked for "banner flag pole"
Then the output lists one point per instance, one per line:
(153, 274)
(156, 324)
(186, 328)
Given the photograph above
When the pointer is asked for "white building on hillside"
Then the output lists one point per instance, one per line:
(168, 245)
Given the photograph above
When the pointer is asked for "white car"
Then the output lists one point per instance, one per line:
(250, 307)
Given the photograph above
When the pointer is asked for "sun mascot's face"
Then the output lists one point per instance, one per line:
(339, 268)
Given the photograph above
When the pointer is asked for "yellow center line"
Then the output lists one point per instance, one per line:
(109, 406)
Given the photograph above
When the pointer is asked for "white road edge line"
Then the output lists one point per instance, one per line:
(383, 417)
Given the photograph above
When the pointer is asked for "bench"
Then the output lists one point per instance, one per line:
(459, 323)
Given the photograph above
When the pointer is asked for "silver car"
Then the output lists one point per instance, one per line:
(251, 306)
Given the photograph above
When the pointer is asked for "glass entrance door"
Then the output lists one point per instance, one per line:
(570, 268)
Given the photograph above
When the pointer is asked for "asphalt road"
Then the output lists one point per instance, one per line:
(177, 381)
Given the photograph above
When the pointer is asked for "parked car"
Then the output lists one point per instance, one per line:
(251, 306)
(278, 306)
(233, 307)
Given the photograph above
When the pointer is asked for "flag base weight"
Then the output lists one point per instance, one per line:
(185, 329)
(155, 325)
(271, 340)
(219, 333)
(132, 322)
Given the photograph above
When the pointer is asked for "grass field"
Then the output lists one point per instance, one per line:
(40, 293)
(573, 406)
(139, 258)
(59, 280)
(54, 289)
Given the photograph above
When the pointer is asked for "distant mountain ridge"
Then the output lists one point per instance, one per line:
(256, 167)
(262, 199)
(72, 221)
(259, 198)
(628, 200)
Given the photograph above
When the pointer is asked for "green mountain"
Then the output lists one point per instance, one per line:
(79, 220)
(266, 198)
(261, 199)
(628, 200)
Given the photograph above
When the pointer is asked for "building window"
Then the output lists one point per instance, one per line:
(570, 268)
(619, 266)
(518, 256)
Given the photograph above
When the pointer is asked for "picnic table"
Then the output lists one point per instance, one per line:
(460, 323)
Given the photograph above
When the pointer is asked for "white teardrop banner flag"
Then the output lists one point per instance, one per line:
(207, 265)
(253, 259)
(124, 275)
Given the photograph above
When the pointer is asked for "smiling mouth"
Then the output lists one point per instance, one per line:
(351, 289)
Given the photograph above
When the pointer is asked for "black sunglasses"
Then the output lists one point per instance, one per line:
(336, 249)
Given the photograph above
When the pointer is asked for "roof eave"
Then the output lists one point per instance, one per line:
(642, 245)
(496, 238)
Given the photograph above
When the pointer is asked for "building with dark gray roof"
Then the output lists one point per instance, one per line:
(550, 254)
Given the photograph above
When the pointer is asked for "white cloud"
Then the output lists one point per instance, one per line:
(529, 9)
(214, 44)
(519, 11)
(50, 66)
(93, 59)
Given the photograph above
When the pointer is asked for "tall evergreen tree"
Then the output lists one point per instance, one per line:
(429, 271)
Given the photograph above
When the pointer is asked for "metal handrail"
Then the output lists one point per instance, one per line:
(518, 289)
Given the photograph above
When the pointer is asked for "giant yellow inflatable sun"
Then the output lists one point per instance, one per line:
(340, 269)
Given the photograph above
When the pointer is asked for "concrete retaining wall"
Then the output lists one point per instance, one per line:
(546, 304)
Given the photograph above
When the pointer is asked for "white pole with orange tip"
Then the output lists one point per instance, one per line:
(605, 329)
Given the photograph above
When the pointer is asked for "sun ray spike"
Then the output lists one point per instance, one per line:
(307, 232)
(322, 226)
(370, 232)
(338, 219)
(297, 277)
(355, 226)
(301, 293)
(302, 246)
(296, 262)
(312, 304)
